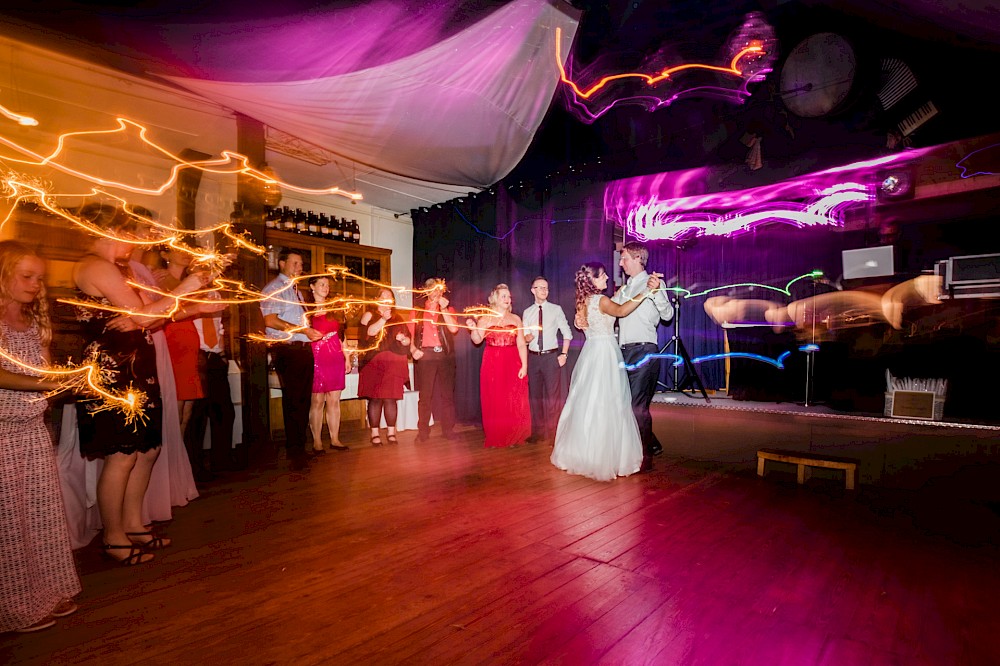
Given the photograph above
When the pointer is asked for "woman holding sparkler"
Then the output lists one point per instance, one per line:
(383, 371)
(330, 366)
(38, 578)
(128, 444)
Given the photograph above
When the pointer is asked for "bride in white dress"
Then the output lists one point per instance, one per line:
(597, 434)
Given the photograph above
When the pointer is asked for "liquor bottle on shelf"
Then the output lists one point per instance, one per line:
(287, 220)
(300, 222)
(271, 217)
(336, 232)
(236, 217)
(324, 226)
(312, 224)
(356, 230)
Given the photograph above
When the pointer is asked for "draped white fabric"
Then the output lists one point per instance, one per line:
(455, 116)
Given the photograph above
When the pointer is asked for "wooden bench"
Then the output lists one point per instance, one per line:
(805, 460)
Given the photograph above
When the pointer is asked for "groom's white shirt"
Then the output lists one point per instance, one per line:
(640, 326)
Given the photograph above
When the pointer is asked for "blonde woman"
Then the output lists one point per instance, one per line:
(503, 383)
(37, 575)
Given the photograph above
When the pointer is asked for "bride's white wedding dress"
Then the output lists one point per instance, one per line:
(597, 435)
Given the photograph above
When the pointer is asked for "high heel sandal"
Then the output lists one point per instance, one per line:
(376, 440)
(392, 439)
(135, 554)
(155, 542)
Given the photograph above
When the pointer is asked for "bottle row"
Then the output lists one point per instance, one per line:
(311, 224)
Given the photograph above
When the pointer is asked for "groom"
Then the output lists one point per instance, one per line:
(637, 337)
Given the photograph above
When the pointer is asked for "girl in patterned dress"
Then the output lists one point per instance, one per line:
(37, 574)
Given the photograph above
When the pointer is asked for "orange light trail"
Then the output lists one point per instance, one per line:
(650, 79)
(230, 163)
(26, 121)
(89, 378)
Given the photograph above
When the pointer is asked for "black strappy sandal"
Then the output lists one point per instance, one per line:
(155, 543)
(135, 554)
(392, 439)
(376, 440)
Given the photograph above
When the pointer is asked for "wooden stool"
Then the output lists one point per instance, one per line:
(806, 460)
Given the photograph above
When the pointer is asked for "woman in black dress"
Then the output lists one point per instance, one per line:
(123, 347)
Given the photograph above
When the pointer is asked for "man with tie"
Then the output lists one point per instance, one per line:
(432, 346)
(291, 354)
(542, 321)
(216, 408)
(637, 337)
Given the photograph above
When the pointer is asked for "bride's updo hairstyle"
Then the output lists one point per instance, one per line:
(585, 288)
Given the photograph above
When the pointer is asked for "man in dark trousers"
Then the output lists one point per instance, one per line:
(291, 352)
(637, 337)
(432, 346)
(542, 322)
(216, 408)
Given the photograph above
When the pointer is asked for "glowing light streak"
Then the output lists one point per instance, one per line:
(229, 162)
(968, 171)
(749, 59)
(89, 378)
(657, 220)
(778, 363)
(786, 290)
(650, 79)
(26, 121)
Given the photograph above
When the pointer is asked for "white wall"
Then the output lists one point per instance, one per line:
(68, 95)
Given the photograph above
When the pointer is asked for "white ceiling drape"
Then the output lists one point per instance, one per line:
(455, 116)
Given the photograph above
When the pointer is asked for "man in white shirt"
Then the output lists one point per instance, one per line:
(637, 337)
(542, 321)
(288, 327)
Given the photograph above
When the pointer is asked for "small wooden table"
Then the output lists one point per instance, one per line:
(805, 460)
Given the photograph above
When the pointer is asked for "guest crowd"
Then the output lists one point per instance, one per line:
(136, 323)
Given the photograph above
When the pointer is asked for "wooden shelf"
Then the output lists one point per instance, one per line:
(371, 264)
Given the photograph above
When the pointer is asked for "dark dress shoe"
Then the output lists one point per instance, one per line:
(423, 437)
(339, 447)
(647, 464)
(534, 439)
(656, 449)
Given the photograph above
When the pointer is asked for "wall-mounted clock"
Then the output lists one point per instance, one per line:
(818, 75)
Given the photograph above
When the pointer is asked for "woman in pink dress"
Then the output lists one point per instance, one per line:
(330, 367)
(503, 384)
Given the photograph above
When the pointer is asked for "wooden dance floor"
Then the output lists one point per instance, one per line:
(447, 553)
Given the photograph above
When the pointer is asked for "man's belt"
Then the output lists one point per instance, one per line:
(541, 353)
(436, 350)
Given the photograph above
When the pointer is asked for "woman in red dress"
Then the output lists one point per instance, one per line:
(330, 367)
(503, 384)
(383, 371)
(183, 343)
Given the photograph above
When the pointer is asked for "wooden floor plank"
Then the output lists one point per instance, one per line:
(443, 552)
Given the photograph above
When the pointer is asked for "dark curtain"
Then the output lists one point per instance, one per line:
(509, 236)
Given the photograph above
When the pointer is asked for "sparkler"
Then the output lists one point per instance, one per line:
(92, 378)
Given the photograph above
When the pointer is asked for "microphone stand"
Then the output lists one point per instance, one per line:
(690, 379)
